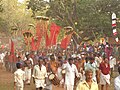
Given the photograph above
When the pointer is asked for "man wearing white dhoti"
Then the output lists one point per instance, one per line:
(19, 77)
(39, 75)
(71, 71)
(105, 74)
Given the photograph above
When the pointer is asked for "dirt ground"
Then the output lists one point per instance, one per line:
(6, 82)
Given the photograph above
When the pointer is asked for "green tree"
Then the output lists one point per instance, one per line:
(1, 8)
(16, 15)
(38, 7)
(90, 19)
(2, 21)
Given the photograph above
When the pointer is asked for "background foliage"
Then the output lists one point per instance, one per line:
(90, 19)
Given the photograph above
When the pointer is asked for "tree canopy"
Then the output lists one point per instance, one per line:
(89, 18)
(14, 14)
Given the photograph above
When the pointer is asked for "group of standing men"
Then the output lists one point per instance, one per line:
(80, 71)
(77, 71)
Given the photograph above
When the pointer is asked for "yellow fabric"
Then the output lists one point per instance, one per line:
(84, 86)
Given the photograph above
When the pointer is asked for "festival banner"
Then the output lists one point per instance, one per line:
(33, 48)
(12, 47)
(47, 40)
(65, 41)
(54, 31)
(38, 35)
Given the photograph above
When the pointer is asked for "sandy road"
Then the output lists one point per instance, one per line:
(6, 82)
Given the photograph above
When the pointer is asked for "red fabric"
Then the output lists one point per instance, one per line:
(105, 70)
(33, 45)
(54, 31)
(115, 33)
(2, 46)
(11, 57)
(108, 51)
(47, 40)
(38, 43)
(12, 47)
(65, 41)
(39, 35)
(114, 25)
(38, 29)
(14, 59)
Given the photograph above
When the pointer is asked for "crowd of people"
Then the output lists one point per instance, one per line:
(87, 67)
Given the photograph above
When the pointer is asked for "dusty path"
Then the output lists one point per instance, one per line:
(6, 82)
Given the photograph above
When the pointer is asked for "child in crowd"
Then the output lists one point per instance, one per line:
(19, 77)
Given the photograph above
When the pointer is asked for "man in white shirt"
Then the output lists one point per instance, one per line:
(2, 55)
(112, 62)
(39, 75)
(71, 71)
(117, 81)
(19, 77)
(98, 59)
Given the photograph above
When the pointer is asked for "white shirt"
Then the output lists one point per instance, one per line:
(29, 59)
(98, 61)
(117, 83)
(19, 77)
(112, 62)
(59, 73)
(39, 74)
(2, 55)
(70, 73)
